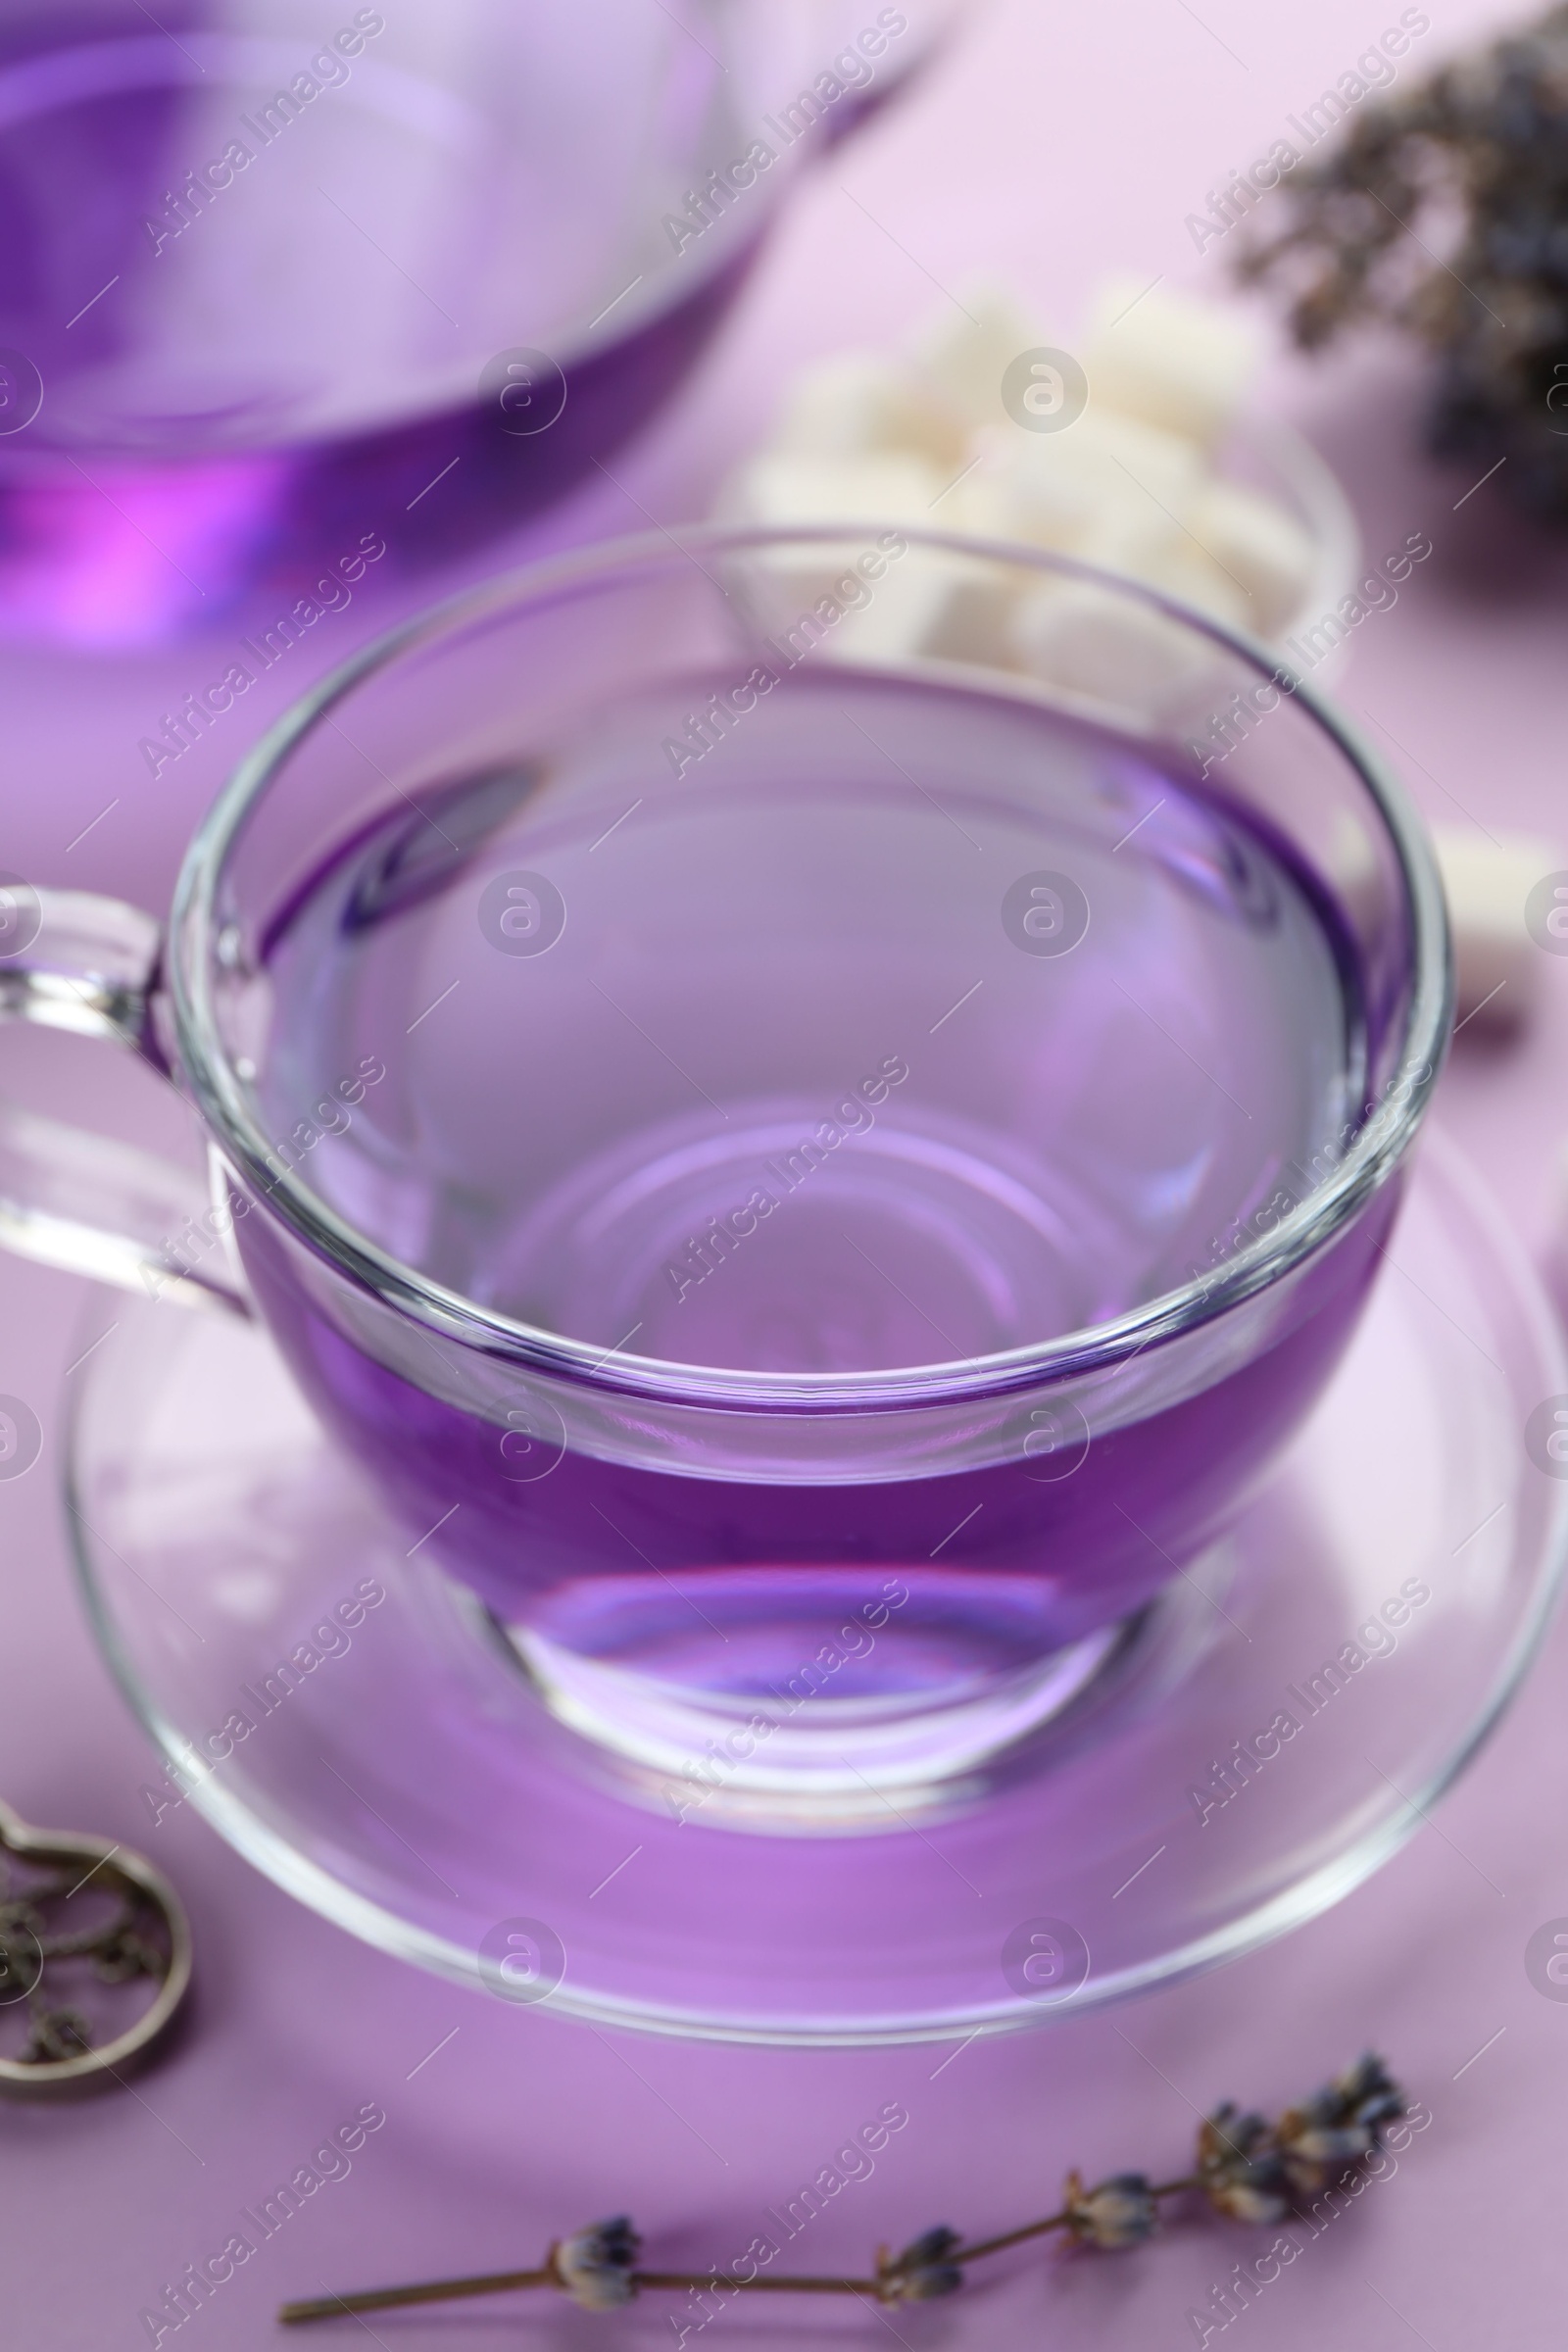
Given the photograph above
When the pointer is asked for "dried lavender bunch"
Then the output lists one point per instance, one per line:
(1472, 164)
(1247, 2169)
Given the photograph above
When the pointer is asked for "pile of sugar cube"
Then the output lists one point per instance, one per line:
(1128, 480)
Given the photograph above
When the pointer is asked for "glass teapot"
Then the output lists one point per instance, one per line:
(275, 272)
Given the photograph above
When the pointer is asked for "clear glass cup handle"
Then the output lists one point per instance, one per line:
(70, 1198)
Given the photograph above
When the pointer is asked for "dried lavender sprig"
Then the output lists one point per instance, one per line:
(1249, 2169)
(497, 2282)
(1482, 142)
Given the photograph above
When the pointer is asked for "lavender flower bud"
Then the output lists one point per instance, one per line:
(594, 2266)
(1338, 2126)
(1121, 2211)
(924, 2271)
(1239, 2167)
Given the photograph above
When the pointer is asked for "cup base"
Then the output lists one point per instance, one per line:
(901, 1716)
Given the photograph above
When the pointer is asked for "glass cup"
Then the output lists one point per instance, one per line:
(812, 1194)
(327, 272)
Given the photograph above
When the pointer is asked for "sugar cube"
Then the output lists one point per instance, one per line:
(1167, 358)
(1105, 649)
(783, 487)
(857, 402)
(962, 362)
(1487, 881)
(1263, 550)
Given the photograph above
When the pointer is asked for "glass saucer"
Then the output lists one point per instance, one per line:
(1257, 1743)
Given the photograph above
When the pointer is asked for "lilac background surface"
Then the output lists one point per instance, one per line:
(1055, 146)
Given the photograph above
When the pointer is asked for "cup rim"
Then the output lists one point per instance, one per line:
(1301, 1234)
